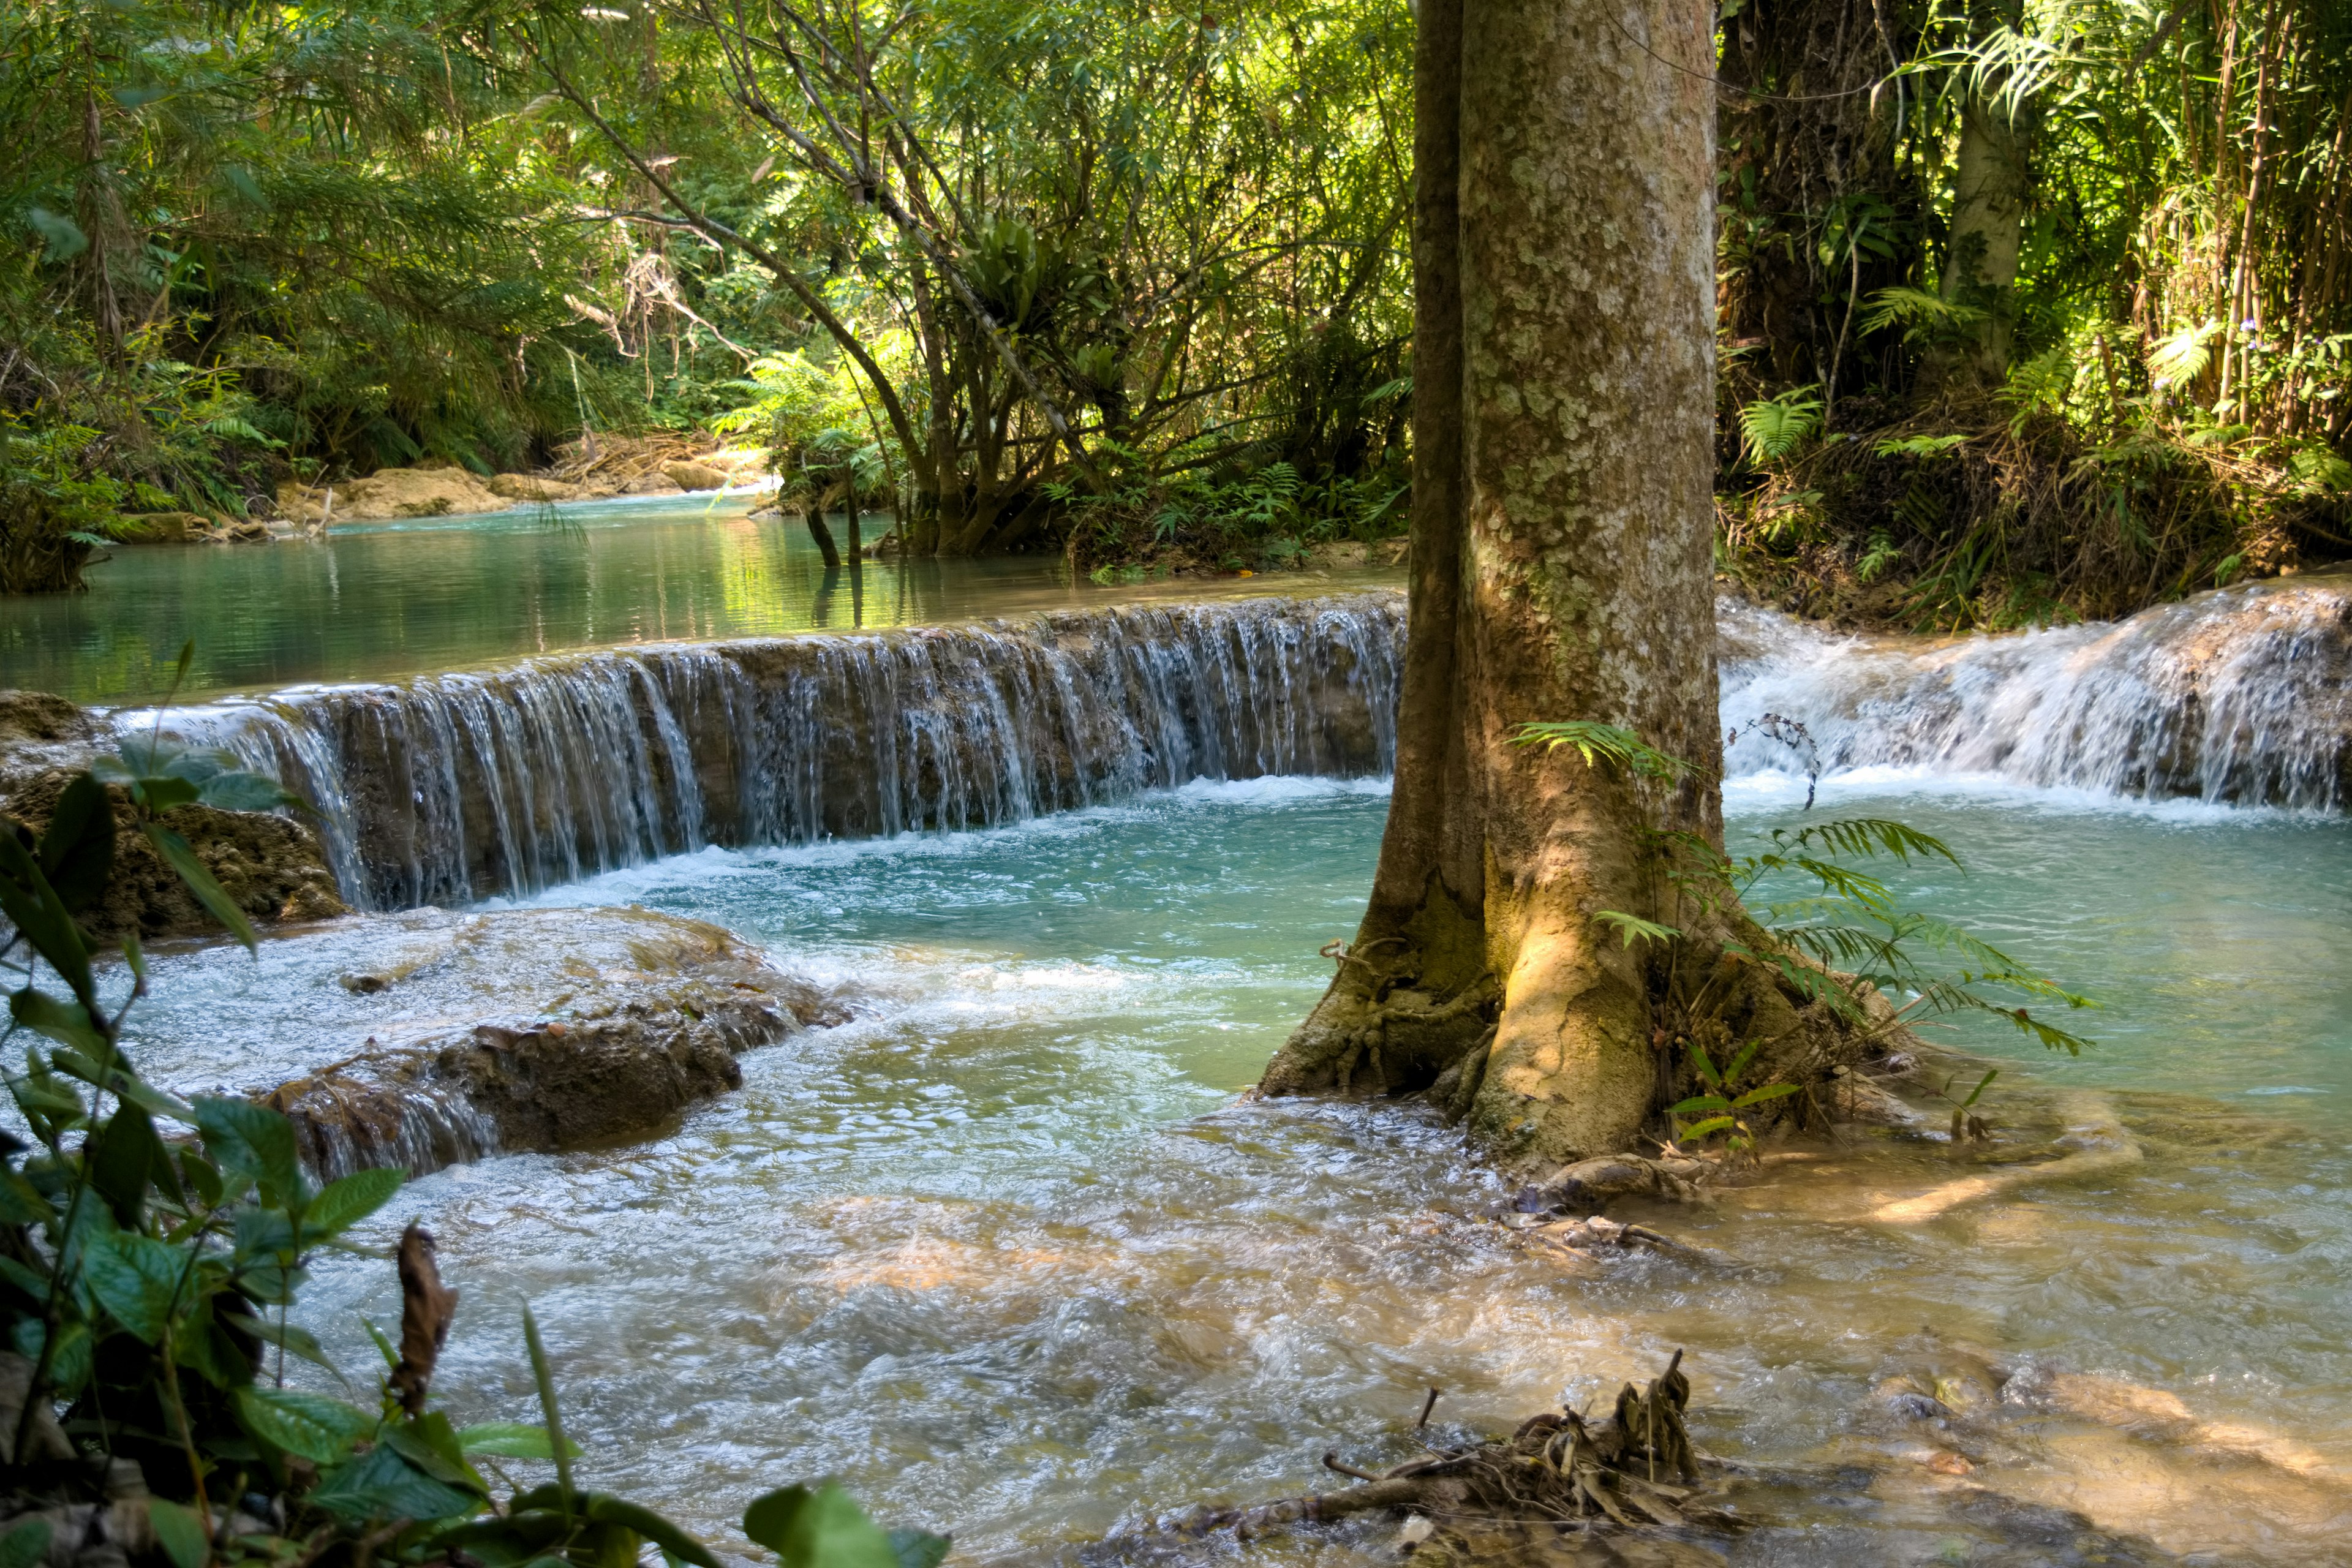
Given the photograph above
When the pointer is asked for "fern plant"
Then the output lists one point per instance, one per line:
(1770, 429)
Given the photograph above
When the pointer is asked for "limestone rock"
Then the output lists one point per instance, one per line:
(653, 484)
(414, 493)
(520, 1030)
(693, 476)
(531, 487)
(272, 865)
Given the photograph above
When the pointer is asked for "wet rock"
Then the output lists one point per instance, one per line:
(1588, 1187)
(273, 867)
(653, 484)
(165, 527)
(525, 1029)
(41, 716)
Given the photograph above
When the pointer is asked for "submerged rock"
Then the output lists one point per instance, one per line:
(517, 1029)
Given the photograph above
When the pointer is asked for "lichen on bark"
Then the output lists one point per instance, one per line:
(1561, 569)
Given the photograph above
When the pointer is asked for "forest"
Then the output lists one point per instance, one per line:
(2024, 310)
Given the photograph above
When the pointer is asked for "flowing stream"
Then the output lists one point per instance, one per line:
(1004, 1253)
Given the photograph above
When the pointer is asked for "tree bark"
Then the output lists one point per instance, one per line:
(1562, 528)
(1992, 184)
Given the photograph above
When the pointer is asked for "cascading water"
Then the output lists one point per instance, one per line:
(2238, 697)
(451, 788)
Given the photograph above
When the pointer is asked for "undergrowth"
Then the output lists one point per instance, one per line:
(151, 1252)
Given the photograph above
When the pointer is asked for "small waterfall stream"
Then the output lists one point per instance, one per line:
(2241, 697)
(450, 788)
(453, 787)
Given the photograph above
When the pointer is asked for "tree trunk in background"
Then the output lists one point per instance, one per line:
(1562, 514)
(1802, 133)
(1991, 187)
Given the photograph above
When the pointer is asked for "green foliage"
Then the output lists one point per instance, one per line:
(144, 1286)
(1770, 429)
(1597, 743)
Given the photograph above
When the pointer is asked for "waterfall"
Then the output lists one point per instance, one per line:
(450, 788)
(2241, 696)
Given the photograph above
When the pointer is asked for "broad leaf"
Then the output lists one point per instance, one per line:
(380, 1484)
(343, 1203)
(178, 1533)
(76, 851)
(820, 1527)
(25, 1543)
(510, 1440)
(135, 1277)
(250, 1142)
(310, 1426)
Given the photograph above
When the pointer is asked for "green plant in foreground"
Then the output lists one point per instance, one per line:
(147, 1281)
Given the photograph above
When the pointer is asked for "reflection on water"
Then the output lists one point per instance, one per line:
(375, 601)
(1004, 1256)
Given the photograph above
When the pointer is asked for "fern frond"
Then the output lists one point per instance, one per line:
(1631, 926)
(1870, 836)
(1597, 743)
(1772, 427)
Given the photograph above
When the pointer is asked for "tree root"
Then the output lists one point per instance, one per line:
(2105, 1146)
(1634, 1469)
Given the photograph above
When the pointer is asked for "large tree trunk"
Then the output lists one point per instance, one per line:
(1562, 508)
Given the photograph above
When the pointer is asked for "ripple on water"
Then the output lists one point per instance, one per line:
(1004, 1256)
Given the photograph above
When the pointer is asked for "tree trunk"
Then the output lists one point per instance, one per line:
(1991, 187)
(1562, 514)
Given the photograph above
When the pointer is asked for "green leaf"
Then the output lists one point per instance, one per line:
(25, 1545)
(510, 1440)
(1712, 1124)
(122, 1156)
(1706, 1065)
(20, 1202)
(241, 790)
(430, 1443)
(1597, 743)
(605, 1509)
(1982, 1084)
(823, 1527)
(310, 1425)
(178, 1532)
(381, 1484)
(183, 859)
(76, 850)
(164, 793)
(1758, 1096)
(250, 1142)
(919, 1548)
(1699, 1102)
(342, 1204)
(61, 238)
(1631, 926)
(67, 1023)
(292, 1337)
(135, 1277)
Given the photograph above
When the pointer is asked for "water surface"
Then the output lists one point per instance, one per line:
(1005, 1256)
(375, 601)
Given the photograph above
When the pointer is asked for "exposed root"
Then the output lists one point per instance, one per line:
(2102, 1146)
(1635, 1469)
